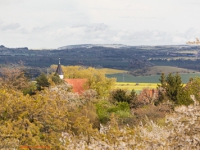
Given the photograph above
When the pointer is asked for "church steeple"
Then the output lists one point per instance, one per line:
(59, 70)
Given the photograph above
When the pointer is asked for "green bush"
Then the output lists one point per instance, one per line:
(105, 109)
(56, 79)
(42, 81)
(124, 106)
(31, 89)
(102, 111)
(120, 95)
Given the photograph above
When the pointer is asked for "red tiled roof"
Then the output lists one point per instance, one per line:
(77, 84)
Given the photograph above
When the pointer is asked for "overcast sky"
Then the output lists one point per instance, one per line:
(57, 23)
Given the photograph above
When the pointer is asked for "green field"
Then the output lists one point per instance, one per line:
(129, 82)
(136, 86)
(147, 79)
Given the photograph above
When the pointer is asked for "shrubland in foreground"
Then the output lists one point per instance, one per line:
(51, 116)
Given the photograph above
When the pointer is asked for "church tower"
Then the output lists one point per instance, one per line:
(59, 71)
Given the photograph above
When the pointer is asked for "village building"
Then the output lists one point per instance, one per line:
(78, 85)
(59, 70)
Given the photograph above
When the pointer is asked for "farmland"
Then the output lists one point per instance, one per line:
(128, 82)
(124, 77)
(136, 86)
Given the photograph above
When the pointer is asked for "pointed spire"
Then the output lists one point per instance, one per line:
(59, 70)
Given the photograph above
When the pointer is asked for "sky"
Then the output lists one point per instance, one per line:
(40, 24)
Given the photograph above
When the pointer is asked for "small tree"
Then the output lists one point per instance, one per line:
(42, 81)
(172, 87)
(193, 87)
(56, 79)
(13, 78)
(133, 99)
(120, 95)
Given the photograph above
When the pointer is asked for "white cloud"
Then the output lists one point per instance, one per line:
(178, 39)
(55, 23)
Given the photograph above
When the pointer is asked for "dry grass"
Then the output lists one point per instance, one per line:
(155, 113)
(111, 71)
(167, 70)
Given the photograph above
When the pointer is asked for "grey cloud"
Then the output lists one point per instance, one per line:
(189, 35)
(97, 27)
(2, 2)
(104, 34)
(39, 29)
(12, 26)
(92, 27)
(23, 31)
(144, 35)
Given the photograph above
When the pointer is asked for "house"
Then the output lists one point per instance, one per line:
(78, 85)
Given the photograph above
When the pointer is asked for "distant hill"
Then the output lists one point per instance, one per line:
(94, 45)
(162, 69)
(136, 59)
(2, 47)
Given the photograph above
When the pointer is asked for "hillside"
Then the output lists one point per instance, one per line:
(156, 70)
(168, 69)
(115, 56)
(93, 45)
(112, 71)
